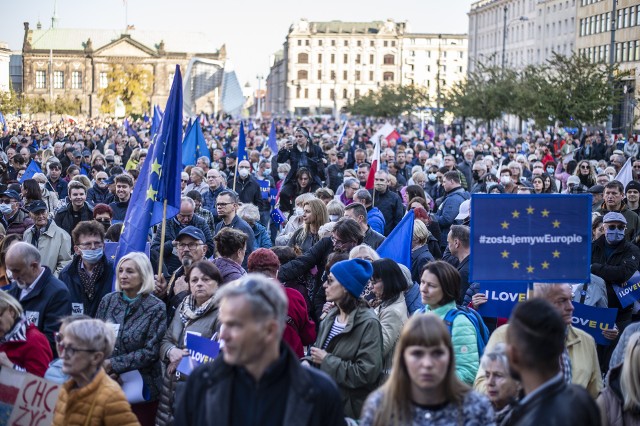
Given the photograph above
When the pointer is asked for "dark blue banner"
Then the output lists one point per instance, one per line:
(501, 298)
(629, 292)
(594, 321)
(201, 350)
(265, 188)
(530, 238)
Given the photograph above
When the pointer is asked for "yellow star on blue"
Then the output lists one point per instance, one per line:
(516, 265)
(530, 210)
(156, 167)
(515, 214)
(545, 213)
(151, 193)
(556, 223)
(505, 225)
(530, 269)
(505, 254)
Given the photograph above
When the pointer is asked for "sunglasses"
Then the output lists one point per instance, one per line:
(619, 227)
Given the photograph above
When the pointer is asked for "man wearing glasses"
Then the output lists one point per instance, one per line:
(227, 208)
(186, 217)
(99, 192)
(615, 260)
(191, 247)
(89, 276)
(52, 241)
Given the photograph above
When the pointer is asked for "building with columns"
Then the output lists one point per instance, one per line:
(517, 33)
(59, 62)
(325, 65)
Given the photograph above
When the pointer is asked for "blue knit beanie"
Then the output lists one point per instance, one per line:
(353, 275)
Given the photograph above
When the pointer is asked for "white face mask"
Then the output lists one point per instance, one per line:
(41, 185)
(334, 217)
(298, 211)
(282, 176)
(243, 173)
(505, 180)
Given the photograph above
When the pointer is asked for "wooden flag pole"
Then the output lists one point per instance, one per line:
(235, 175)
(162, 233)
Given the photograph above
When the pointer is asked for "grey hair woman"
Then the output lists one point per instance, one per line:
(91, 396)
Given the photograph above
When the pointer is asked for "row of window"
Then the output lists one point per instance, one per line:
(304, 93)
(59, 82)
(372, 43)
(304, 75)
(628, 51)
(587, 2)
(626, 18)
(303, 58)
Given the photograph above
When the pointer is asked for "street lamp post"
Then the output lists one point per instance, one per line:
(505, 31)
(259, 96)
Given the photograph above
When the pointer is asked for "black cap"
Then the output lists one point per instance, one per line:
(634, 184)
(340, 154)
(11, 194)
(596, 189)
(77, 153)
(193, 232)
(37, 206)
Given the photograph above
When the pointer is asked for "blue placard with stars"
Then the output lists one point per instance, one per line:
(531, 238)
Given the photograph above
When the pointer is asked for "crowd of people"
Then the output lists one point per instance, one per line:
(274, 257)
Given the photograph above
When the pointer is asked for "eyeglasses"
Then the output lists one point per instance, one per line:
(213, 177)
(336, 241)
(619, 227)
(6, 201)
(584, 167)
(190, 246)
(65, 350)
(91, 245)
(101, 179)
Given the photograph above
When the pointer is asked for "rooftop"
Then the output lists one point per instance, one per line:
(75, 39)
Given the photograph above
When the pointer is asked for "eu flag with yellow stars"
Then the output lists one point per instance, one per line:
(159, 178)
(530, 238)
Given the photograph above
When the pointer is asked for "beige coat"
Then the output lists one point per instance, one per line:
(54, 246)
(392, 318)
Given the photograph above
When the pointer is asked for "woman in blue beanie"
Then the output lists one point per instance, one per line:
(349, 343)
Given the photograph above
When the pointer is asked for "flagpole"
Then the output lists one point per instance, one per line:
(162, 234)
(235, 174)
(373, 197)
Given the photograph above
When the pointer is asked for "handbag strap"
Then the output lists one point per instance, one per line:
(93, 404)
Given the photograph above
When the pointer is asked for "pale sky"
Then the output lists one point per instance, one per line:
(251, 29)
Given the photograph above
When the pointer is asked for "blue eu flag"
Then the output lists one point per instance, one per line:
(530, 238)
(242, 144)
(272, 142)
(194, 146)
(397, 246)
(159, 178)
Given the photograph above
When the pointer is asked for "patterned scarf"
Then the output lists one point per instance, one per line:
(89, 280)
(189, 312)
(18, 333)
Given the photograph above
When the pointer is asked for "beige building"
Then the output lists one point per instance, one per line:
(74, 63)
(325, 65)
(5, 55)
(593, 40)
(534, 29)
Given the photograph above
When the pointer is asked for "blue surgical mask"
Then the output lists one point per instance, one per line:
(432, 176)
(92, 256)
(614, 236)
(267, 172)
(5, 208)
(550, 170)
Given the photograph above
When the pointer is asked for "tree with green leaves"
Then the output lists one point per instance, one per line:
(132, 83)
(485, 94)
(390, 101)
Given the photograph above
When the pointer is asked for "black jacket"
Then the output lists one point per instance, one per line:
(390, 204)
(80, 303)
(419, 258)
(616, 269)
(45, 304)
(248, 191)
(312, 160)
(61, 186)
(119, 210)
(372, 238)
(558, 405)
(312, 397)
(335, 175)
(173, 227)
(64, 216)
(97, 195)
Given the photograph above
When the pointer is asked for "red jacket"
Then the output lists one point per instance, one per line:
(34, 354)
(299, 330)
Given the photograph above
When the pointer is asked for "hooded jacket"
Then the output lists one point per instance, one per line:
(54, 246)
(354, 356)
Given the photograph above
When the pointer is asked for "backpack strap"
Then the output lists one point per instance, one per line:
(449, 318)
(583, 292)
